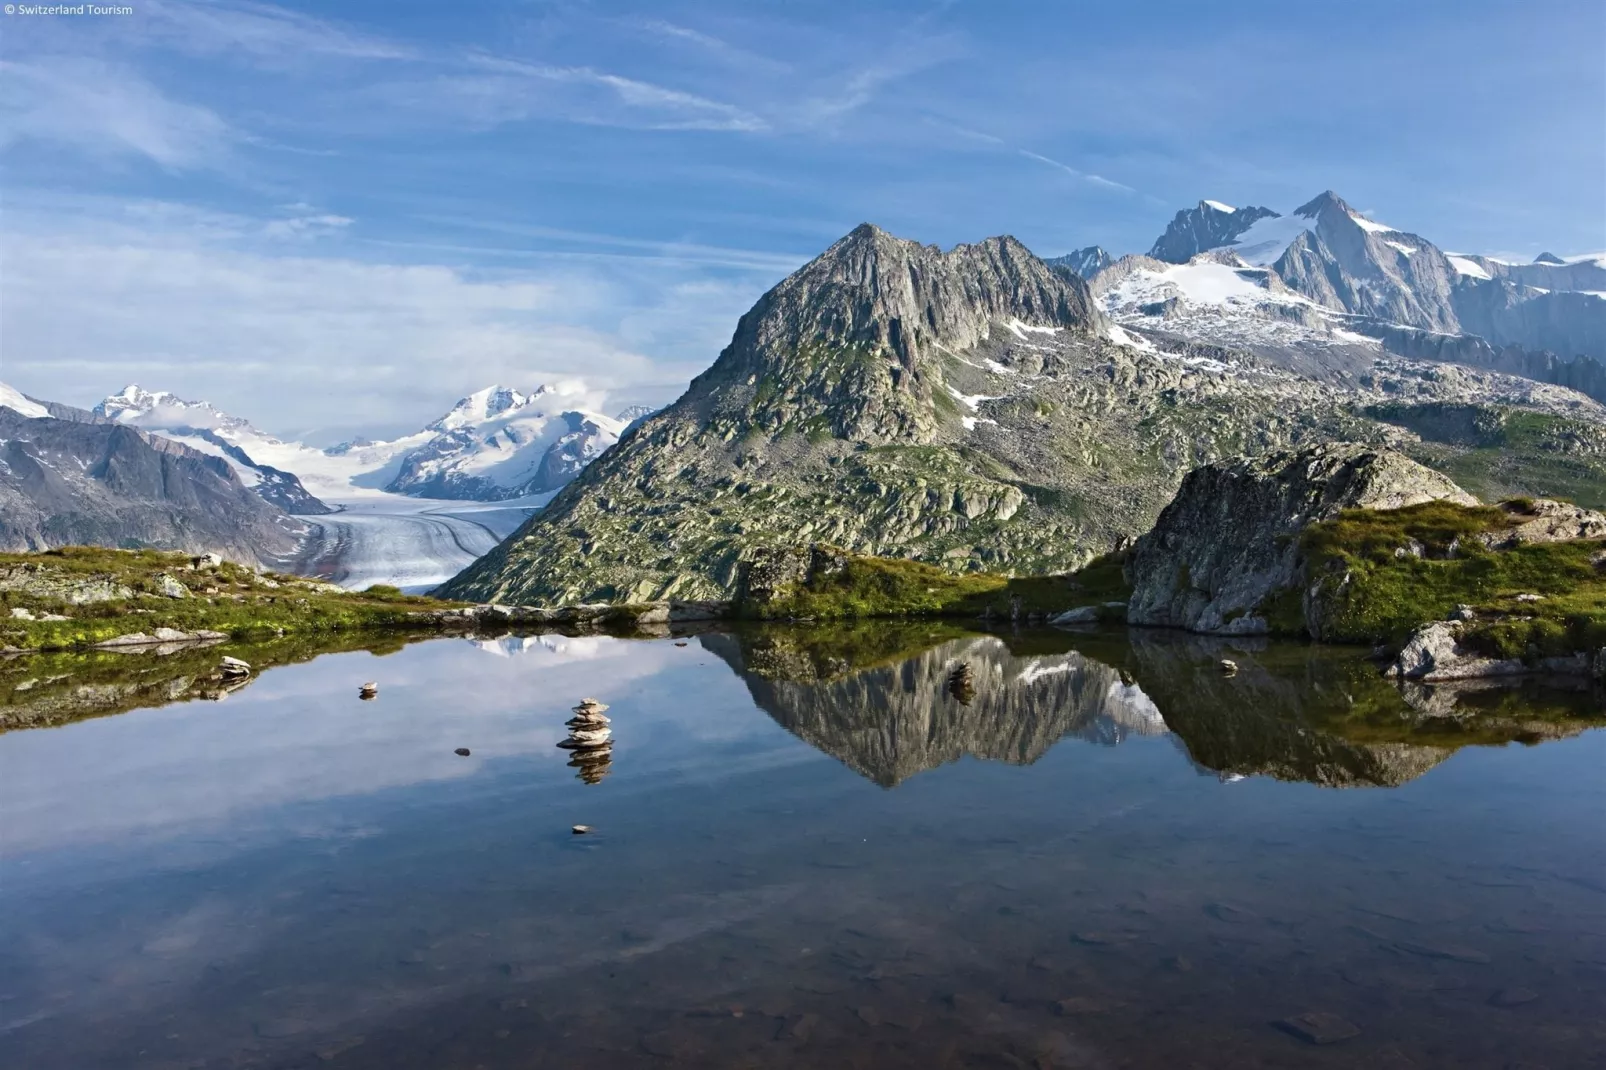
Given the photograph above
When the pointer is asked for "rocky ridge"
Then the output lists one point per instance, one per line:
(968, 408)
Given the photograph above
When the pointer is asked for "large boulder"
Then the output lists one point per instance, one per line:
(1228, 542)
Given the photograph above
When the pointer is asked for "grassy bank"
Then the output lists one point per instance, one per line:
(56, 688)
(100, 594)
(1381, 573)
(863, 586)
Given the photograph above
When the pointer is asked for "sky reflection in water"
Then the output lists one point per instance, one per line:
(1066, 869)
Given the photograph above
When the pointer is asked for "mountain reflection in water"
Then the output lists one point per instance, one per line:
(1291, 712)
(295, 878)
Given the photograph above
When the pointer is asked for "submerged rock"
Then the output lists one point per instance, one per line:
(1228, 542)
(233, 666)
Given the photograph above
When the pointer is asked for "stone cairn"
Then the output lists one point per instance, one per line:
(962, 683)
(591, 740)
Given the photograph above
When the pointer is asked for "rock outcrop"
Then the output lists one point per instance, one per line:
(1228, 543)
(1437, 653)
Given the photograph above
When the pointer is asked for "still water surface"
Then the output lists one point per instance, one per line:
(812, 849)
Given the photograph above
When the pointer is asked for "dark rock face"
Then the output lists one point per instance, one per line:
(1511, 313)
(1227, 542)
(1203, 227)
(1084, 263)
(280, 489)
(104, 484)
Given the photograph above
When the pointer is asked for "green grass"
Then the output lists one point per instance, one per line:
(230, 598)
(867, 586)
(1495, 451)
(1387, 596)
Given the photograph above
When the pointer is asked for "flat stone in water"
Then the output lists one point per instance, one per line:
(1320, 1027)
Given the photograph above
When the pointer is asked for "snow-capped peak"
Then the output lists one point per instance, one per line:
(13, 399)
(159, 408)
(1218, 206)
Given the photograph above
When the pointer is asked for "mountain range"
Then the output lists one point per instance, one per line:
(981, 408)
(978, 407)
(69, 476)
(1325, 275)
(496, 444)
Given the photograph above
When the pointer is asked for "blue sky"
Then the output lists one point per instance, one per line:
(337, 218)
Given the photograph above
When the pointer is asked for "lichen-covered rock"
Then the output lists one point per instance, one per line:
(1544, 520)
(1434, 653)
(1228, 543)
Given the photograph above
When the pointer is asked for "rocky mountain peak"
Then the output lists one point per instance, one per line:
(1085, 262)
(1207, 225)
(1323, 203)
(853, 335)
(1549, 258)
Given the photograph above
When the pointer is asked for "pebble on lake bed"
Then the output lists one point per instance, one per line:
(462, 752)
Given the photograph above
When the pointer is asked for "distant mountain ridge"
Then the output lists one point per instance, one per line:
(496, 444)
(1342, 261)
(71, 477)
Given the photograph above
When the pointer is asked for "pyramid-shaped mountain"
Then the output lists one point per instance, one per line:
(969, 407)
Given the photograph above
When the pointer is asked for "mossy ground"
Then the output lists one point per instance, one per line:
(228, 598)
(892, 587)
(1388, 594)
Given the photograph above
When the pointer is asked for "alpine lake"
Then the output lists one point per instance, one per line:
(871, 845)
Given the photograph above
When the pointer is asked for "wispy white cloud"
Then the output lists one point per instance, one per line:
(106, 110)
(491, 90)
(716, 47)
(217, 306)
(1097, 180)
(263, 31)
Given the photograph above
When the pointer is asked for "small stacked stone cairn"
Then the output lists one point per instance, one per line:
(591, 740)
(962, 683)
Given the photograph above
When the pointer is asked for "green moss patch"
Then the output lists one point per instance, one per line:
(1374, 588)
(226, 598)
(865, 586)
